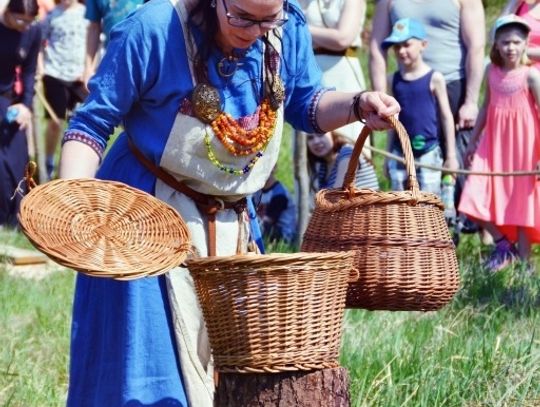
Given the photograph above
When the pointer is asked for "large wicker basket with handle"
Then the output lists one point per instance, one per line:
(405, 255)
(274, 313)
(104, 228)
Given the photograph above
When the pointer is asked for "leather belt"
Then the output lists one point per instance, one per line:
(348, 52)
(208, 204)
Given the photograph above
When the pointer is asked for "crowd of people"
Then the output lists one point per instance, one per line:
(202, 88)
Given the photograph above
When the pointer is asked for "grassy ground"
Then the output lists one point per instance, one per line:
(482, 350)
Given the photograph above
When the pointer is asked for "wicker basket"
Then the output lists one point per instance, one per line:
(406, 257)
(274, 313)
(104, 228)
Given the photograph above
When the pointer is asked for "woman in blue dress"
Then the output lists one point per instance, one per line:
(202, 88)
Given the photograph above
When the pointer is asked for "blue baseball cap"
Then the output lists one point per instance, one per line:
(404, 29)
(511, 19)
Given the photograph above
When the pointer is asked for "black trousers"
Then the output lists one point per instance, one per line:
(13, 160)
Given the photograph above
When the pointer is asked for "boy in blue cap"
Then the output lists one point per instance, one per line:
(421, 92)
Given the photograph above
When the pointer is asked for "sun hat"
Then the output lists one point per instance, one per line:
(511, 19)
(404, 29)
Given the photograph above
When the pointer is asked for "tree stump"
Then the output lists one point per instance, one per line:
(319, 388)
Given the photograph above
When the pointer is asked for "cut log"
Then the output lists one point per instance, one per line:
(319, 388)
(18, 256)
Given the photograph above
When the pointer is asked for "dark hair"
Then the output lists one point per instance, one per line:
(27, 7)
(495, 55)
(339, 142)
(203, 19)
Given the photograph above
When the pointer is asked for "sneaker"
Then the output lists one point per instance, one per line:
(503, 254)
(469, 227)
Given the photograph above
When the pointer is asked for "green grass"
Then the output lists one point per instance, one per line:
(482, 350)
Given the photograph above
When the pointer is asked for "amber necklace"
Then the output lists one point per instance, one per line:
(238, 141)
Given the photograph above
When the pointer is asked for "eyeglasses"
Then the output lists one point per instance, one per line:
(245, 22)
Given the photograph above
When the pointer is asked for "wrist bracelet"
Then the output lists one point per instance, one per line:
(357, 110)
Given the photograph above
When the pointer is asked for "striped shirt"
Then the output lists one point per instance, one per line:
(365, 174)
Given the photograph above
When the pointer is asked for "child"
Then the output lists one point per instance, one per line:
(64, 34)
(421, 92)
(328, 159)
(507, 136)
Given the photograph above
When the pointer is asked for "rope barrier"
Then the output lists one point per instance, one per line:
(459, 171)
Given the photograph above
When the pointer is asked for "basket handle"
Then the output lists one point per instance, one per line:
(350, 175)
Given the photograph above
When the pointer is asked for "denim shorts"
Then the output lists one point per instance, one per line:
(429, 180)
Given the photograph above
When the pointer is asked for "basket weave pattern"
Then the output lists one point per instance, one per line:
(405, 256)
(104, 228)
(274, 313)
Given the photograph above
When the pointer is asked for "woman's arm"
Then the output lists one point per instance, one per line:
(438, 86)
(129, 65)
(349, 26)
(78, 161)
(336, 109)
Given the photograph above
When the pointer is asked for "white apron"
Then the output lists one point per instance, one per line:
(185, 157)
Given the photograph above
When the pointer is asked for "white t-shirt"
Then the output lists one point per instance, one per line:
(64, 31)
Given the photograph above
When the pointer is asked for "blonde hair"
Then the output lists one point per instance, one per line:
(495, 55)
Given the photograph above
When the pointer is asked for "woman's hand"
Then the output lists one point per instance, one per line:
(24, 115)
(376, 107)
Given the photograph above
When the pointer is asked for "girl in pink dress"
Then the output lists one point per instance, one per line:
(529, 10)
(507, 138)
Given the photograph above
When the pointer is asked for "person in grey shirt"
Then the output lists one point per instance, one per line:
(456, 36)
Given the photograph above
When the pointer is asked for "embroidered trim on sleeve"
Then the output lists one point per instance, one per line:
(313, 110)
(85, 139)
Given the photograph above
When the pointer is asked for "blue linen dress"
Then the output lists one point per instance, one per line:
(123, 349)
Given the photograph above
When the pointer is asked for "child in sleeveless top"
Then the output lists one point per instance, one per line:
(507, 138)
(421, 92)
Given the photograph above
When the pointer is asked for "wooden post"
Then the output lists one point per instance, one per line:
(302, 182)
(37, 137)
(318, 388)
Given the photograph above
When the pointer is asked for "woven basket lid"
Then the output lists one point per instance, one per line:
(104, 228)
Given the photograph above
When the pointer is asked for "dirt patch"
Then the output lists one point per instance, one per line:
(34, 271)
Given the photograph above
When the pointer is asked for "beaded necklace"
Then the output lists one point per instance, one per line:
(206, 102)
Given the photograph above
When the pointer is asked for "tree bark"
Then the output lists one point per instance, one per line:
(319, 388)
